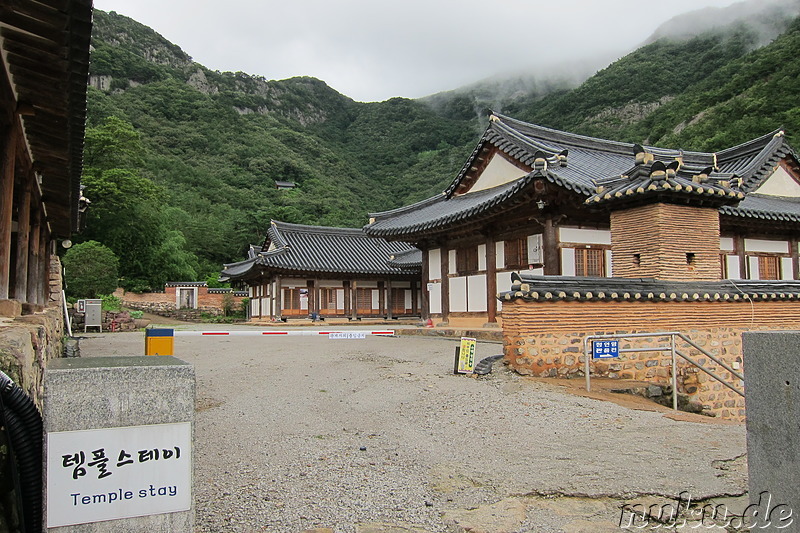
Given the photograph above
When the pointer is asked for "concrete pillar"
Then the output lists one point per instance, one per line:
(772, 387)
(121, 426)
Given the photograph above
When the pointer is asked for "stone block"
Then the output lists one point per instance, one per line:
(10, 308)
(118, 392)
(772, 383)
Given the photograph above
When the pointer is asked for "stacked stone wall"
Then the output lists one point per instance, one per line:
(163, 303)
(546, 339)
(29, 341)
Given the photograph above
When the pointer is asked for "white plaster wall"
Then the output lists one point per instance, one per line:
(766, 246)
(476, 291)
(293, 283)
(503, 285)
(754, 272)
(401, 284)
(435, 264)
(567, 262)
(732, 262)
(376, 302)
(497, 172)
(340, 299)
(435, 298)
(458, 294)
(787, 270)
(407, 300)
(780, 183)
(726, 244)
(329, 283)
(584, 236)
(535, 249)
(481, 257)
(367, 284)
(609, 265)
(451, 262)
(500, 254)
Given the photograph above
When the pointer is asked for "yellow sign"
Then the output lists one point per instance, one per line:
(466, 356)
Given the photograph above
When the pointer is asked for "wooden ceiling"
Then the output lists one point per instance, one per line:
(45, 49)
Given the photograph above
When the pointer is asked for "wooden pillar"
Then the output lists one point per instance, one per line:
(793, 243)
(44, 262)
(354, 299)
(445, 263)
(312, 302)
(6, 208)
(415, 286)
(738, 248)
(382, 299)
(34, 257)
(23, 236)
(317, 302)
(348, 298)
(425, 311)
(552, 255)
(278, 298)
(389, 299)
(491, 280)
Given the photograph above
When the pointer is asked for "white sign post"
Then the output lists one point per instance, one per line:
(107, 474)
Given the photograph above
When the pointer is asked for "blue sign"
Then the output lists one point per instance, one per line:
(605, 349)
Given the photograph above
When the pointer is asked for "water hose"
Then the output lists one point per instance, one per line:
(23, 425)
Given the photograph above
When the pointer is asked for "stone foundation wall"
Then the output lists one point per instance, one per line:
(547, 339)
(29, 341)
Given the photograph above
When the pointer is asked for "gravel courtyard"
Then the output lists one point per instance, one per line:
(378, 435)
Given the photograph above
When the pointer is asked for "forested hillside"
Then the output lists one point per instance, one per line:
(203, 150)
(181, 160)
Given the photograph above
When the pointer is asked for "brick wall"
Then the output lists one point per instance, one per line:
(662, 235)
(546, 339)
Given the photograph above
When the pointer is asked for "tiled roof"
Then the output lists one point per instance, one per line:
(439, 212)
(777, 208)
(554, 288)
(651, 179)
(185, 284)
(584, 165)
(304, 249)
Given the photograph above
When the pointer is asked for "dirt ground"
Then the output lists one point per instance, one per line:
(377, 435)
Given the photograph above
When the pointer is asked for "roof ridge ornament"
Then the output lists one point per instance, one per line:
(642, 156)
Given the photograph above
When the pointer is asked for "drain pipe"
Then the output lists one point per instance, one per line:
(23, 425)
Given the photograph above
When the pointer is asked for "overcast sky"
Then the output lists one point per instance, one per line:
(372, 50)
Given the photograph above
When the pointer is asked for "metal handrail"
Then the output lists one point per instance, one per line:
(674, 352)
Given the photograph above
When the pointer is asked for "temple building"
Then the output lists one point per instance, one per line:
(544, 202)
(321, 272)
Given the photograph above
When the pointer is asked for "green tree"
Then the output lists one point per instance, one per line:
(90, 269)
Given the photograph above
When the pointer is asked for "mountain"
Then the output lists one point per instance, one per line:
(182, 161)
(214, 143)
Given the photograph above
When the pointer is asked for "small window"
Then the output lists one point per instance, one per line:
(516, 253)
(637, 259)
(467, 259)
(590, 262)
(327, 299)
(690, 256)
(364, 300)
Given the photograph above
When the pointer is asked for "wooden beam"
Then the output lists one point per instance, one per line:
(354, 299)
(23, 238)
(7, 167)
(491, 280)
